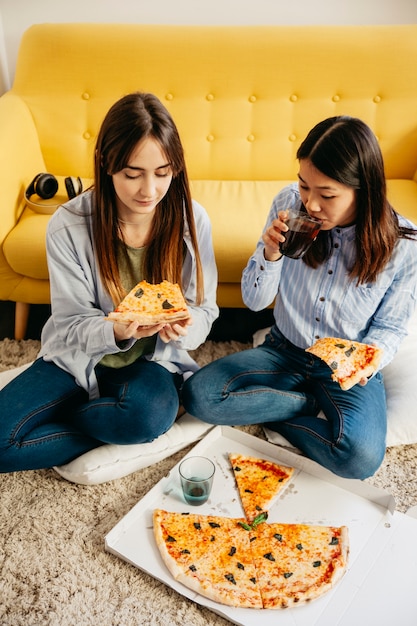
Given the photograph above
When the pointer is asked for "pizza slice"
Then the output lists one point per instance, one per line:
(151, 304)
(350, 361)
(258, 481)
(210, 555)
(296, 563)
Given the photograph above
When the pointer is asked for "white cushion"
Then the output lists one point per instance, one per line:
(400, 379)
(111, 461)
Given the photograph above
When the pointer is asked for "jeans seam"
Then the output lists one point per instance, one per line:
(241, 374)
(340, 435)
(14, 440)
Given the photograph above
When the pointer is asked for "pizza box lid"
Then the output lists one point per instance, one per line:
(379, 583)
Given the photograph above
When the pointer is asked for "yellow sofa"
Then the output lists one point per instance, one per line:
(243, 99)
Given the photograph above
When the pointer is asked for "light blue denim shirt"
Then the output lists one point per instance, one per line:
(325, 302)
(77, 335)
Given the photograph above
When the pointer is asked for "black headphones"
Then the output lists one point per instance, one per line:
(46, 185)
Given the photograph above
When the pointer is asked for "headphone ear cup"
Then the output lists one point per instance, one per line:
(45, 186)
(74, 186)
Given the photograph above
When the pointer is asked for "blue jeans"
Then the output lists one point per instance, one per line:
(284, 387)
(46, 419)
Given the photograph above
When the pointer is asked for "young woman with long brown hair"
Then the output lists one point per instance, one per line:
(357, 281)
(96, 381)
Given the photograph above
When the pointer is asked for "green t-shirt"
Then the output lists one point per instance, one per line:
(130, 262)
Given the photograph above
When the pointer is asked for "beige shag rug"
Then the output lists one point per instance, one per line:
(54, 570)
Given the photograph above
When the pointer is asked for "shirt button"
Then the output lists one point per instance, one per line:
(322, 299)
(336, 245)
(317, 319)
(330, 272)
(262, 268)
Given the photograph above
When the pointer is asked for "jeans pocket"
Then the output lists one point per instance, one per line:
(275, 339)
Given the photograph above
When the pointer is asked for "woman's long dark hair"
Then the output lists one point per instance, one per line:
(130, 120)
(345, 149)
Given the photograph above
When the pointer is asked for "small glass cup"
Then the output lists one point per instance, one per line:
(303, 230)
(196, 475)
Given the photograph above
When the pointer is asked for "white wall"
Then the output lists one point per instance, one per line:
(17, 15)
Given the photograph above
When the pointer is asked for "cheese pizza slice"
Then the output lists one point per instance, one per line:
(258, 481)
(209, 554)
(296, 563)
(350, 361)
(151, 304)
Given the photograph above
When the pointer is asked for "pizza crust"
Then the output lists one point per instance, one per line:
(146, 319)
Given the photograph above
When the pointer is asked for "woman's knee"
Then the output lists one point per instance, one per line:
(198, 396)
(359, 462)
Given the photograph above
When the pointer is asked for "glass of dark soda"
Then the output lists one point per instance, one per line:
(302, 231)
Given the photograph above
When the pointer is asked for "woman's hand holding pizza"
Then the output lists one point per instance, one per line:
(172, 332)
(134, 330)
(273, 237)
(167, 332)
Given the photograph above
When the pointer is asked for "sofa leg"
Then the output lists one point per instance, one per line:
(21, 317)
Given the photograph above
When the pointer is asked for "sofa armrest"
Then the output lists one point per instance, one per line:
(20, 158)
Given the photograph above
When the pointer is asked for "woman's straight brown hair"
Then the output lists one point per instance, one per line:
(345, 149)
(130, 120)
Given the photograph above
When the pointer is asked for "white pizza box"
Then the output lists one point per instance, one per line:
(379, 587)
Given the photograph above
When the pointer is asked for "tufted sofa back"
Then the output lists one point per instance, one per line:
(243, 97)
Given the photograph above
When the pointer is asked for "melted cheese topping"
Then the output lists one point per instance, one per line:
(273, 566)
(347, 359)
(209, 554)
(163, 298)
(296, 562)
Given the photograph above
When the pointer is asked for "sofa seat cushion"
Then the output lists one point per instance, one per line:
(238, 210)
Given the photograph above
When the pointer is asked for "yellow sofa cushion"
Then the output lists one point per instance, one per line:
(237, 209)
